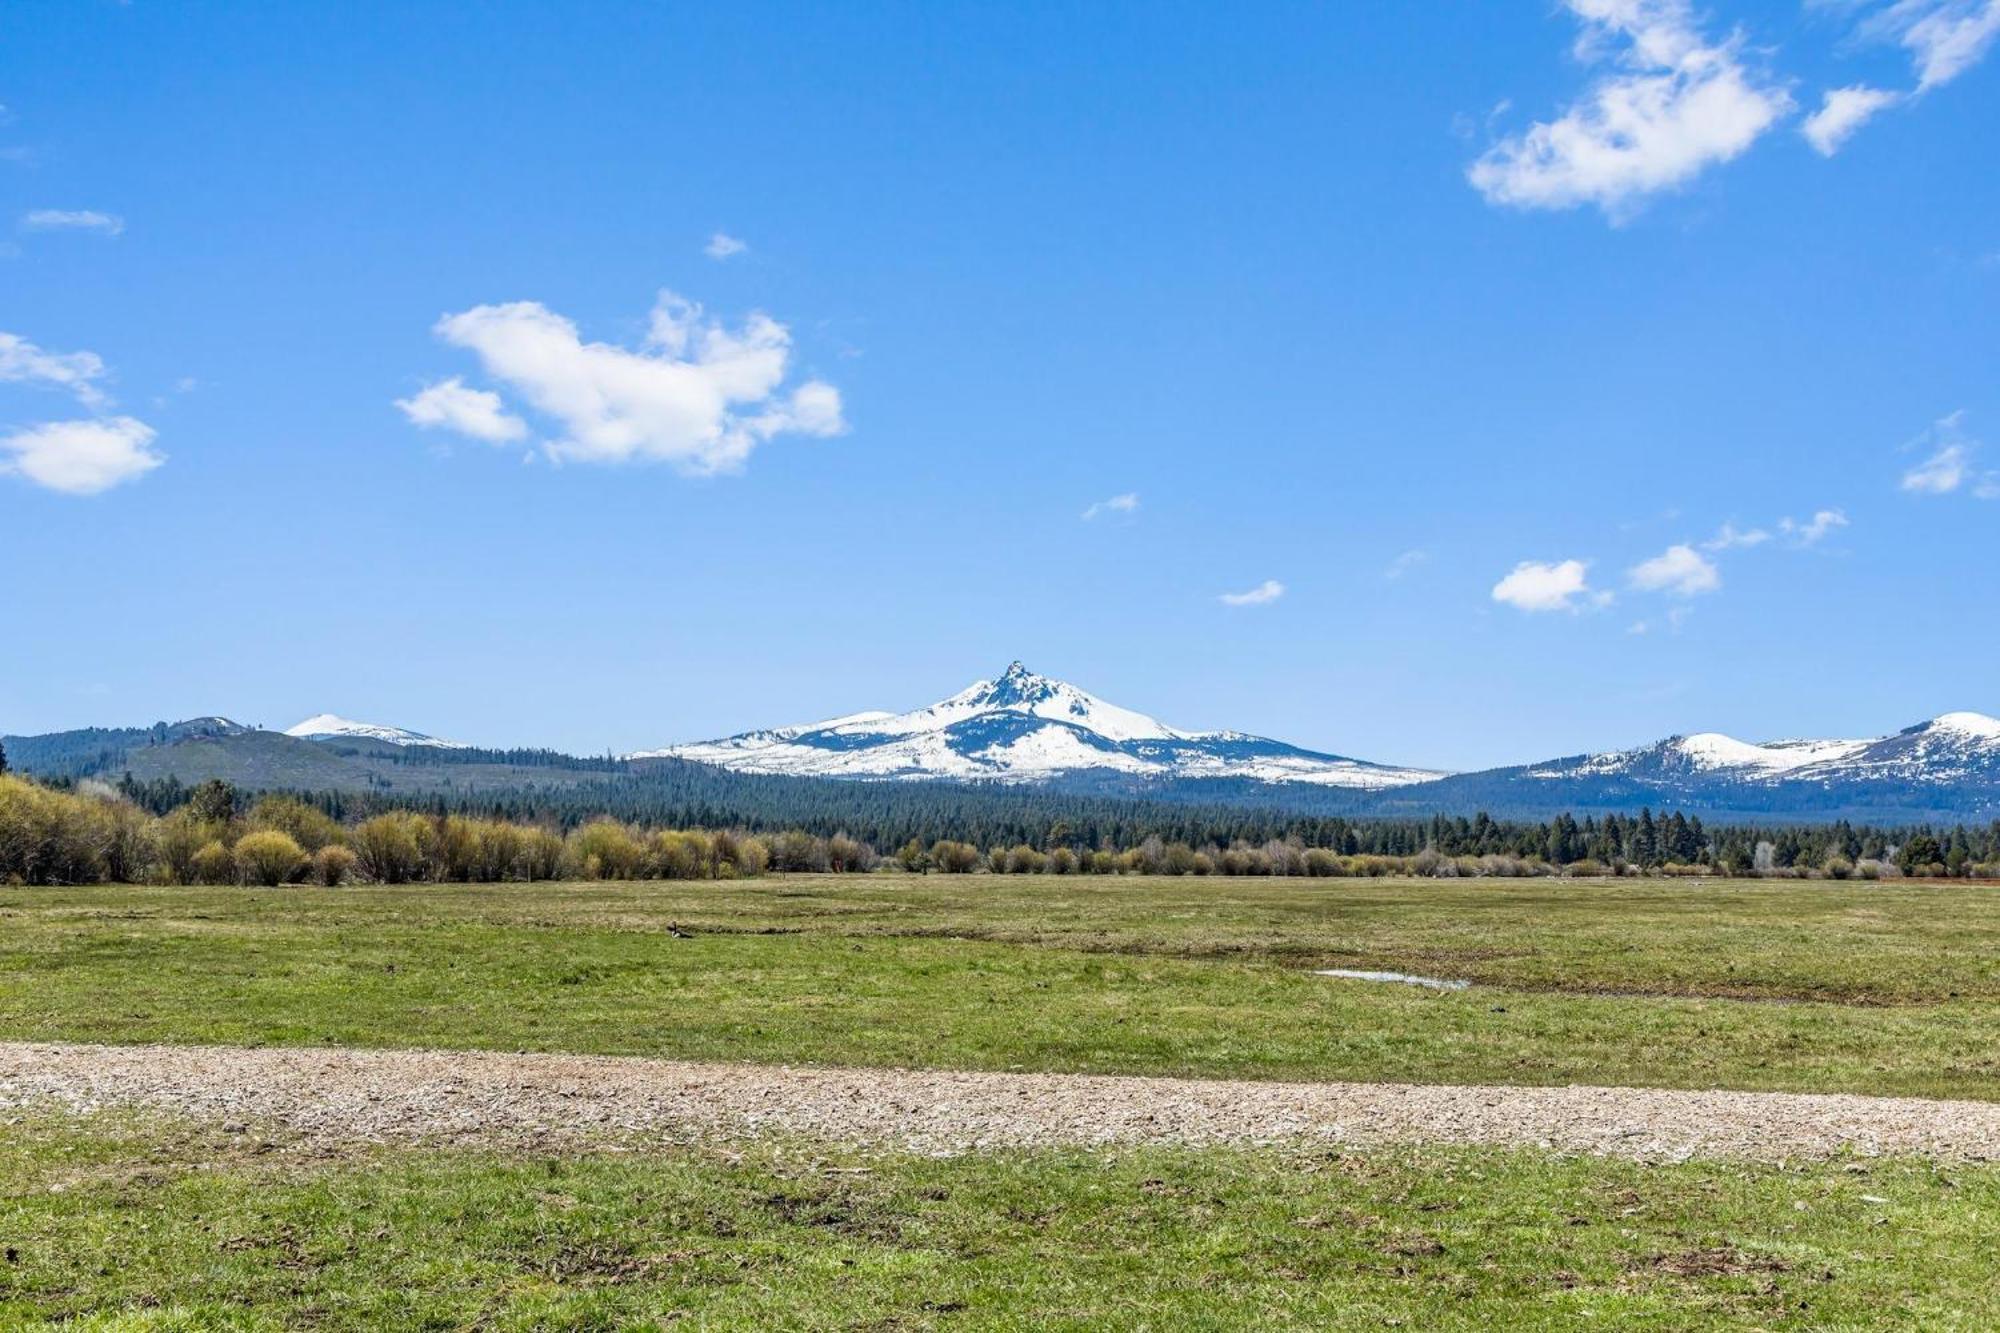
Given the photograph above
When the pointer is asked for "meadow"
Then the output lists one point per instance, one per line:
(113, 1223)
(1806, 987)
(119, 1220)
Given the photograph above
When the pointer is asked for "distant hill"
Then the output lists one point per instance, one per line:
(89, 750)
(1948, 767)
(203, 748)
(1025, 734)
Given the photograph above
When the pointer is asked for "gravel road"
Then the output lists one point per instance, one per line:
(357, 1096)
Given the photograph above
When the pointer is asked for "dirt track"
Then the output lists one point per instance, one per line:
(349, 1096)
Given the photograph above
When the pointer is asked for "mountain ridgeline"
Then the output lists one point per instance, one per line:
(1021, 747)
(1023, 728)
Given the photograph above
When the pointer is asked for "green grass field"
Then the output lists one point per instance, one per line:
(119, 1221)
(177, 1227)
(1799, 987)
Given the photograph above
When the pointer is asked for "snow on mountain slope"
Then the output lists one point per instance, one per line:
(1948, 748)
(1954, 747)
(1713, 750)
(1018, 690)
(1975, 727)
(1021, 727)
(330, 726)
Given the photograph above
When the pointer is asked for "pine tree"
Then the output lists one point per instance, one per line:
(1646, 841)
(1959, 855)
(213, 800)
(1919, 853)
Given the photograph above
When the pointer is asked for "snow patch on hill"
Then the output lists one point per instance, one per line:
(1951, 748)
(331, 726)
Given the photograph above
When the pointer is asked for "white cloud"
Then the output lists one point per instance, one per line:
(22, 362)
(1117, 504)
(1814, 529)
(1729, 537)
(1676, 617)
(474, 412)
(724, 246)
(1536, 585)
(1942, 473)
(1951, 462)
(1680, 570)
(1406, 562)
(1797, 532)
(1841, 113)
(72, 219)
(80, 457)
(696, 394)
(1674, 105)
(1945, 38)
(1270, 590)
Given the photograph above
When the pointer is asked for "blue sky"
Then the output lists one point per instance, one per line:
(1468, 349)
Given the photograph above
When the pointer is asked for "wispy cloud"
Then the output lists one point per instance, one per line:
(1942, 473)
(1673, 104)
(474, 412)
(1796, 532)
(1406, 562)
(80, 457)
(1843, 111)
(724, 246)
(1944, 38)
(1679, 570)
(1675, 617)
(1128, 503)
(22, 362)
(72, 219)
(1730, 537)
(1538, 586)
(1815, 529)
(695, 394)
(1951, 462)
(1270, 590)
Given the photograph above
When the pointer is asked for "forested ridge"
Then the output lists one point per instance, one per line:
(548, 785)
(548, 790)
(61, 829)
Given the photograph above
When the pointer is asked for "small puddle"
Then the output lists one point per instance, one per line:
(1404, 978)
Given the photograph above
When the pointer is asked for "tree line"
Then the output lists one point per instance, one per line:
(89, 833)
(85, 832)
(891, 815)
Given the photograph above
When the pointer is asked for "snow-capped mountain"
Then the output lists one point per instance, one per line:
(1025, 728)
(330, 726)
(1951, 762)
(1949, 748)
(1953, 747)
